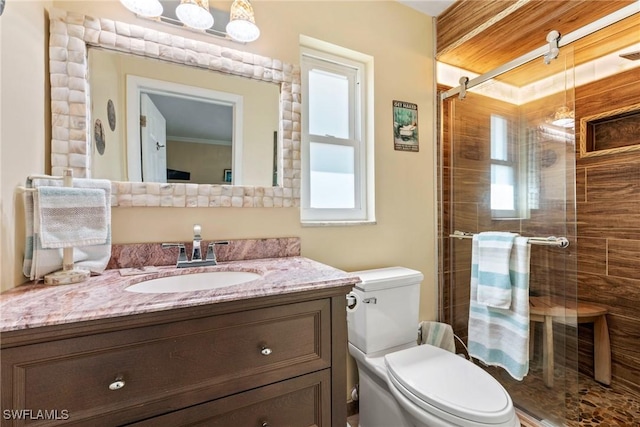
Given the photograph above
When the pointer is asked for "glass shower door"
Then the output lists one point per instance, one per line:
(508, 164)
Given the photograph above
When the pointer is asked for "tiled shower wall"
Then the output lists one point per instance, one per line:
(466, 179)
(608, 201)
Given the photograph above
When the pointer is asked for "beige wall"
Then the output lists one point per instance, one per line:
(205, 162)
(112, 164)
(25, 104)
(3, 250)
(399, 39)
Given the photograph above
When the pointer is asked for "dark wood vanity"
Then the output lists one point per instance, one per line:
(268, 361)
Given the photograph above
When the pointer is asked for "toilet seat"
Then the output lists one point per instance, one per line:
(431, 377)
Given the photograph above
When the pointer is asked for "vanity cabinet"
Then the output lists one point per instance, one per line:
(295, 402)
(260, 362)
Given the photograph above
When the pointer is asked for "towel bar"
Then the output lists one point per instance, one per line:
(68, 274)
(561, 242)
(32, 177)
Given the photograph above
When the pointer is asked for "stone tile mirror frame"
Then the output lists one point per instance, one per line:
(70, 36)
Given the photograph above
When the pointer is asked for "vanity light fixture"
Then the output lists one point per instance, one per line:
(238, 24)
(242, 23)
(195, 14)
(146, 8)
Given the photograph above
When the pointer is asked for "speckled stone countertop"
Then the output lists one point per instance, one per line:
(104, 296)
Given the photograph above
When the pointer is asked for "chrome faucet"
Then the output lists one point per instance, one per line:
(196, 253)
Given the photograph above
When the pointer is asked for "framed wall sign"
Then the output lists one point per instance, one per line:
(405, 126)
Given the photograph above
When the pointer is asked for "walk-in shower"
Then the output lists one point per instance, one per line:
(507, 162)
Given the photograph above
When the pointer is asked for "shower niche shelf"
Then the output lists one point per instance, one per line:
(611, 132)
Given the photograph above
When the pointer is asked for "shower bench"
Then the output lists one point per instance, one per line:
(547, 310)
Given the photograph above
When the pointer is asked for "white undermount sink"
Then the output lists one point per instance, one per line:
(193, 282)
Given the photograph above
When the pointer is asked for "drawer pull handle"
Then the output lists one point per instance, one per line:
(264, 424)
(117, 384)
(265, 352)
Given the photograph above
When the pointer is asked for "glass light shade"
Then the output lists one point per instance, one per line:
(148, 8)
(242, 24)
(563, 117)
(195, 14)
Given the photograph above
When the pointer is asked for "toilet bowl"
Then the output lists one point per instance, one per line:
(402, 384)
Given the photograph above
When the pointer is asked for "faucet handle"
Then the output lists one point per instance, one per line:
(211, 253)
(182, 251)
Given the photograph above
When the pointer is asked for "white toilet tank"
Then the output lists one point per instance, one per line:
(386, 311)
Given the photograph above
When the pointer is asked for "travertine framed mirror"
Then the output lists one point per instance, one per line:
(71, 34)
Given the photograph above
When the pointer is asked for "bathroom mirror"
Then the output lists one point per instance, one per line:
(195, 123)
(71, 35)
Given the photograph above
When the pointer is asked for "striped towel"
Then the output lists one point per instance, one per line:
(494, 283)
(437, 334)
(39, 260)
(500, 337)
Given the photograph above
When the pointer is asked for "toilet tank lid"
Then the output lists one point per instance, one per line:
(388, 277)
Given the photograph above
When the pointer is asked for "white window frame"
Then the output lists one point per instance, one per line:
(355, 71)
(510, 161)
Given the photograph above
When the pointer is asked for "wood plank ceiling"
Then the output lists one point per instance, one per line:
(479, 36)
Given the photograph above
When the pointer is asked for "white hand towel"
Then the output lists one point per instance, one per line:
(39, 261)
(492, 258)
(500, 337)
(70, 217)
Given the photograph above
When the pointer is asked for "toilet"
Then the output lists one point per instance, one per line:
(403, 384)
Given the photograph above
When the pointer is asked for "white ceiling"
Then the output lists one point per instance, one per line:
(428, 7)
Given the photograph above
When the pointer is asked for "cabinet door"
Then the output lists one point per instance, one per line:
(300, 402)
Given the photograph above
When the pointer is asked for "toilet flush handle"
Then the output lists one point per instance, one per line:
(351, 301)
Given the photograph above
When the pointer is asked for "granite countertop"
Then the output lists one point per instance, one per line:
(104, 296)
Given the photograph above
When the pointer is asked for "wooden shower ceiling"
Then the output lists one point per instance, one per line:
(481, 35)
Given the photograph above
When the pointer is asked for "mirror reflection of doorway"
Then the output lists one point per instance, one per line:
(153, 137)
(182, 134)
(199, 139)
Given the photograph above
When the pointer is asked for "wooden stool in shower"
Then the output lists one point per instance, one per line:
(547, 311)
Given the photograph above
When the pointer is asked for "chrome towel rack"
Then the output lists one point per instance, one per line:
(561, 242)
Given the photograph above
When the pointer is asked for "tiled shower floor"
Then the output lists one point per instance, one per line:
(597, 405)
(601, 406)
(587, 404)
(593, 404)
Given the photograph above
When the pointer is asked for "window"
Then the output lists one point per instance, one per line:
(335, 185)
(503, 171)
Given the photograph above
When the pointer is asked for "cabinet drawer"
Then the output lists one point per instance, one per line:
(196, 360)
(299, 402)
